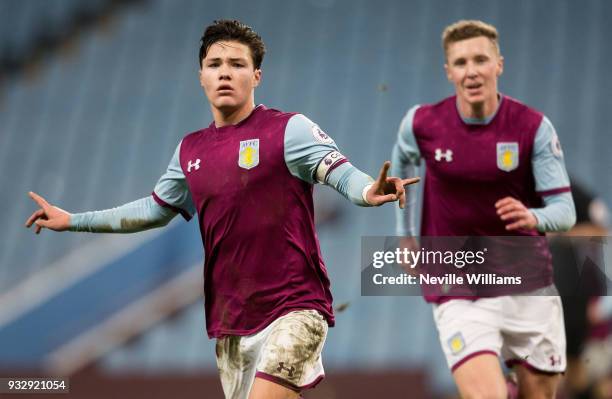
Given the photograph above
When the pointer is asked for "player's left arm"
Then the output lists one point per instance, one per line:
(312, 155)
(552, 184)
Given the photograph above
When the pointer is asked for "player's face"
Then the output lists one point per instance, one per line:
(228, 76)
(473, 66)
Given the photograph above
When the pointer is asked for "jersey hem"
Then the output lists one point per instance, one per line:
(224, 332)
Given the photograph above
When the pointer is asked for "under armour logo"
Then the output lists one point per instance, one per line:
(195, 165)
(281, 367)
(447, 155)
(555, 360)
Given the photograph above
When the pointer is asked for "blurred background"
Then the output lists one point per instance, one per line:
(96, 94)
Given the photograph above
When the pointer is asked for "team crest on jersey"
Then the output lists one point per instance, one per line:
(507, 156)
(320, 135)
(456, 343)
(248, 155)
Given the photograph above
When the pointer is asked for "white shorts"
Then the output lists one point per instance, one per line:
(287, 352)
(526, 330)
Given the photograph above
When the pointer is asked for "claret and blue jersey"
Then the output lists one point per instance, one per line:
(471, 164)
(250, 185)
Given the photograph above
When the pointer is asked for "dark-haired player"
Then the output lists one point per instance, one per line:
(249, 177)
(494, 167)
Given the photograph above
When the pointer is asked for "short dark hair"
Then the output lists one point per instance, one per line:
(233, 30)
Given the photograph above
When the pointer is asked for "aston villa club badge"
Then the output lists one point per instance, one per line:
(248, 155)
(507, 156)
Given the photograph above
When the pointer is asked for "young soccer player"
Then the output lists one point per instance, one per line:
(494, 167)
(249, 177)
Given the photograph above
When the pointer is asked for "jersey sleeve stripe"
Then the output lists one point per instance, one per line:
(163, 203)
(554, 191)
(334, 166)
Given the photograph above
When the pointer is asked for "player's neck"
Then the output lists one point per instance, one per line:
(233, 116)
(481, 110)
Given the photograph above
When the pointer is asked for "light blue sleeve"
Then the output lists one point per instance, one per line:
(547, 160)
(559, 212)
(405, 161)
(171, 196)
(312, 155)
(142, 214)
(172, 188)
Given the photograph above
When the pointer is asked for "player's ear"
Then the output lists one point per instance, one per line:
(500, 65)
(447, 70)
(256, 77)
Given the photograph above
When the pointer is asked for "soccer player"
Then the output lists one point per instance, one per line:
(494, 167)
(249, 178)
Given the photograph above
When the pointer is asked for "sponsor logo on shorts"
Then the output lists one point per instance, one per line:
(456, 343)
(289, 370)
(555, 360)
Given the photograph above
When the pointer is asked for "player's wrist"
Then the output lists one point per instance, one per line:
(364, 193)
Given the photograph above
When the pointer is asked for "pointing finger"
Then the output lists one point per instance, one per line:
(38, 199)
(411, 180)
(382, 176)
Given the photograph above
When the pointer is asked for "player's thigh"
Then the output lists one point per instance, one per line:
(291, 353)
(536, 385)
(481, 377)
(264, 389)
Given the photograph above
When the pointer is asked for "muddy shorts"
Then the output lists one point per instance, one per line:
(286, 352)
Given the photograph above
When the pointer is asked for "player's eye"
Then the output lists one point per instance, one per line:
(459, 62)
(238, 65)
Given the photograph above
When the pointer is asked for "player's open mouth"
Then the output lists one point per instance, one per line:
(473, 86)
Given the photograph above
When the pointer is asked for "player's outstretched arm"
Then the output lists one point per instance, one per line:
(388, 189)
(139, 215)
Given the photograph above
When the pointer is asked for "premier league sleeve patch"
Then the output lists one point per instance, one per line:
(507, 156)
(321, 136)
(248, 154)
(555, 146)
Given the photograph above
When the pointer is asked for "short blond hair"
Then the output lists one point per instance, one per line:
(468, 29)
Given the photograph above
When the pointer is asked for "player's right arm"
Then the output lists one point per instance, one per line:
(171, 196)
(405, 161)
(311, 155)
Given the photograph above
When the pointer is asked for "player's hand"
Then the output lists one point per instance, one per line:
(48, 216)
(388, 189)
(516, 214)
